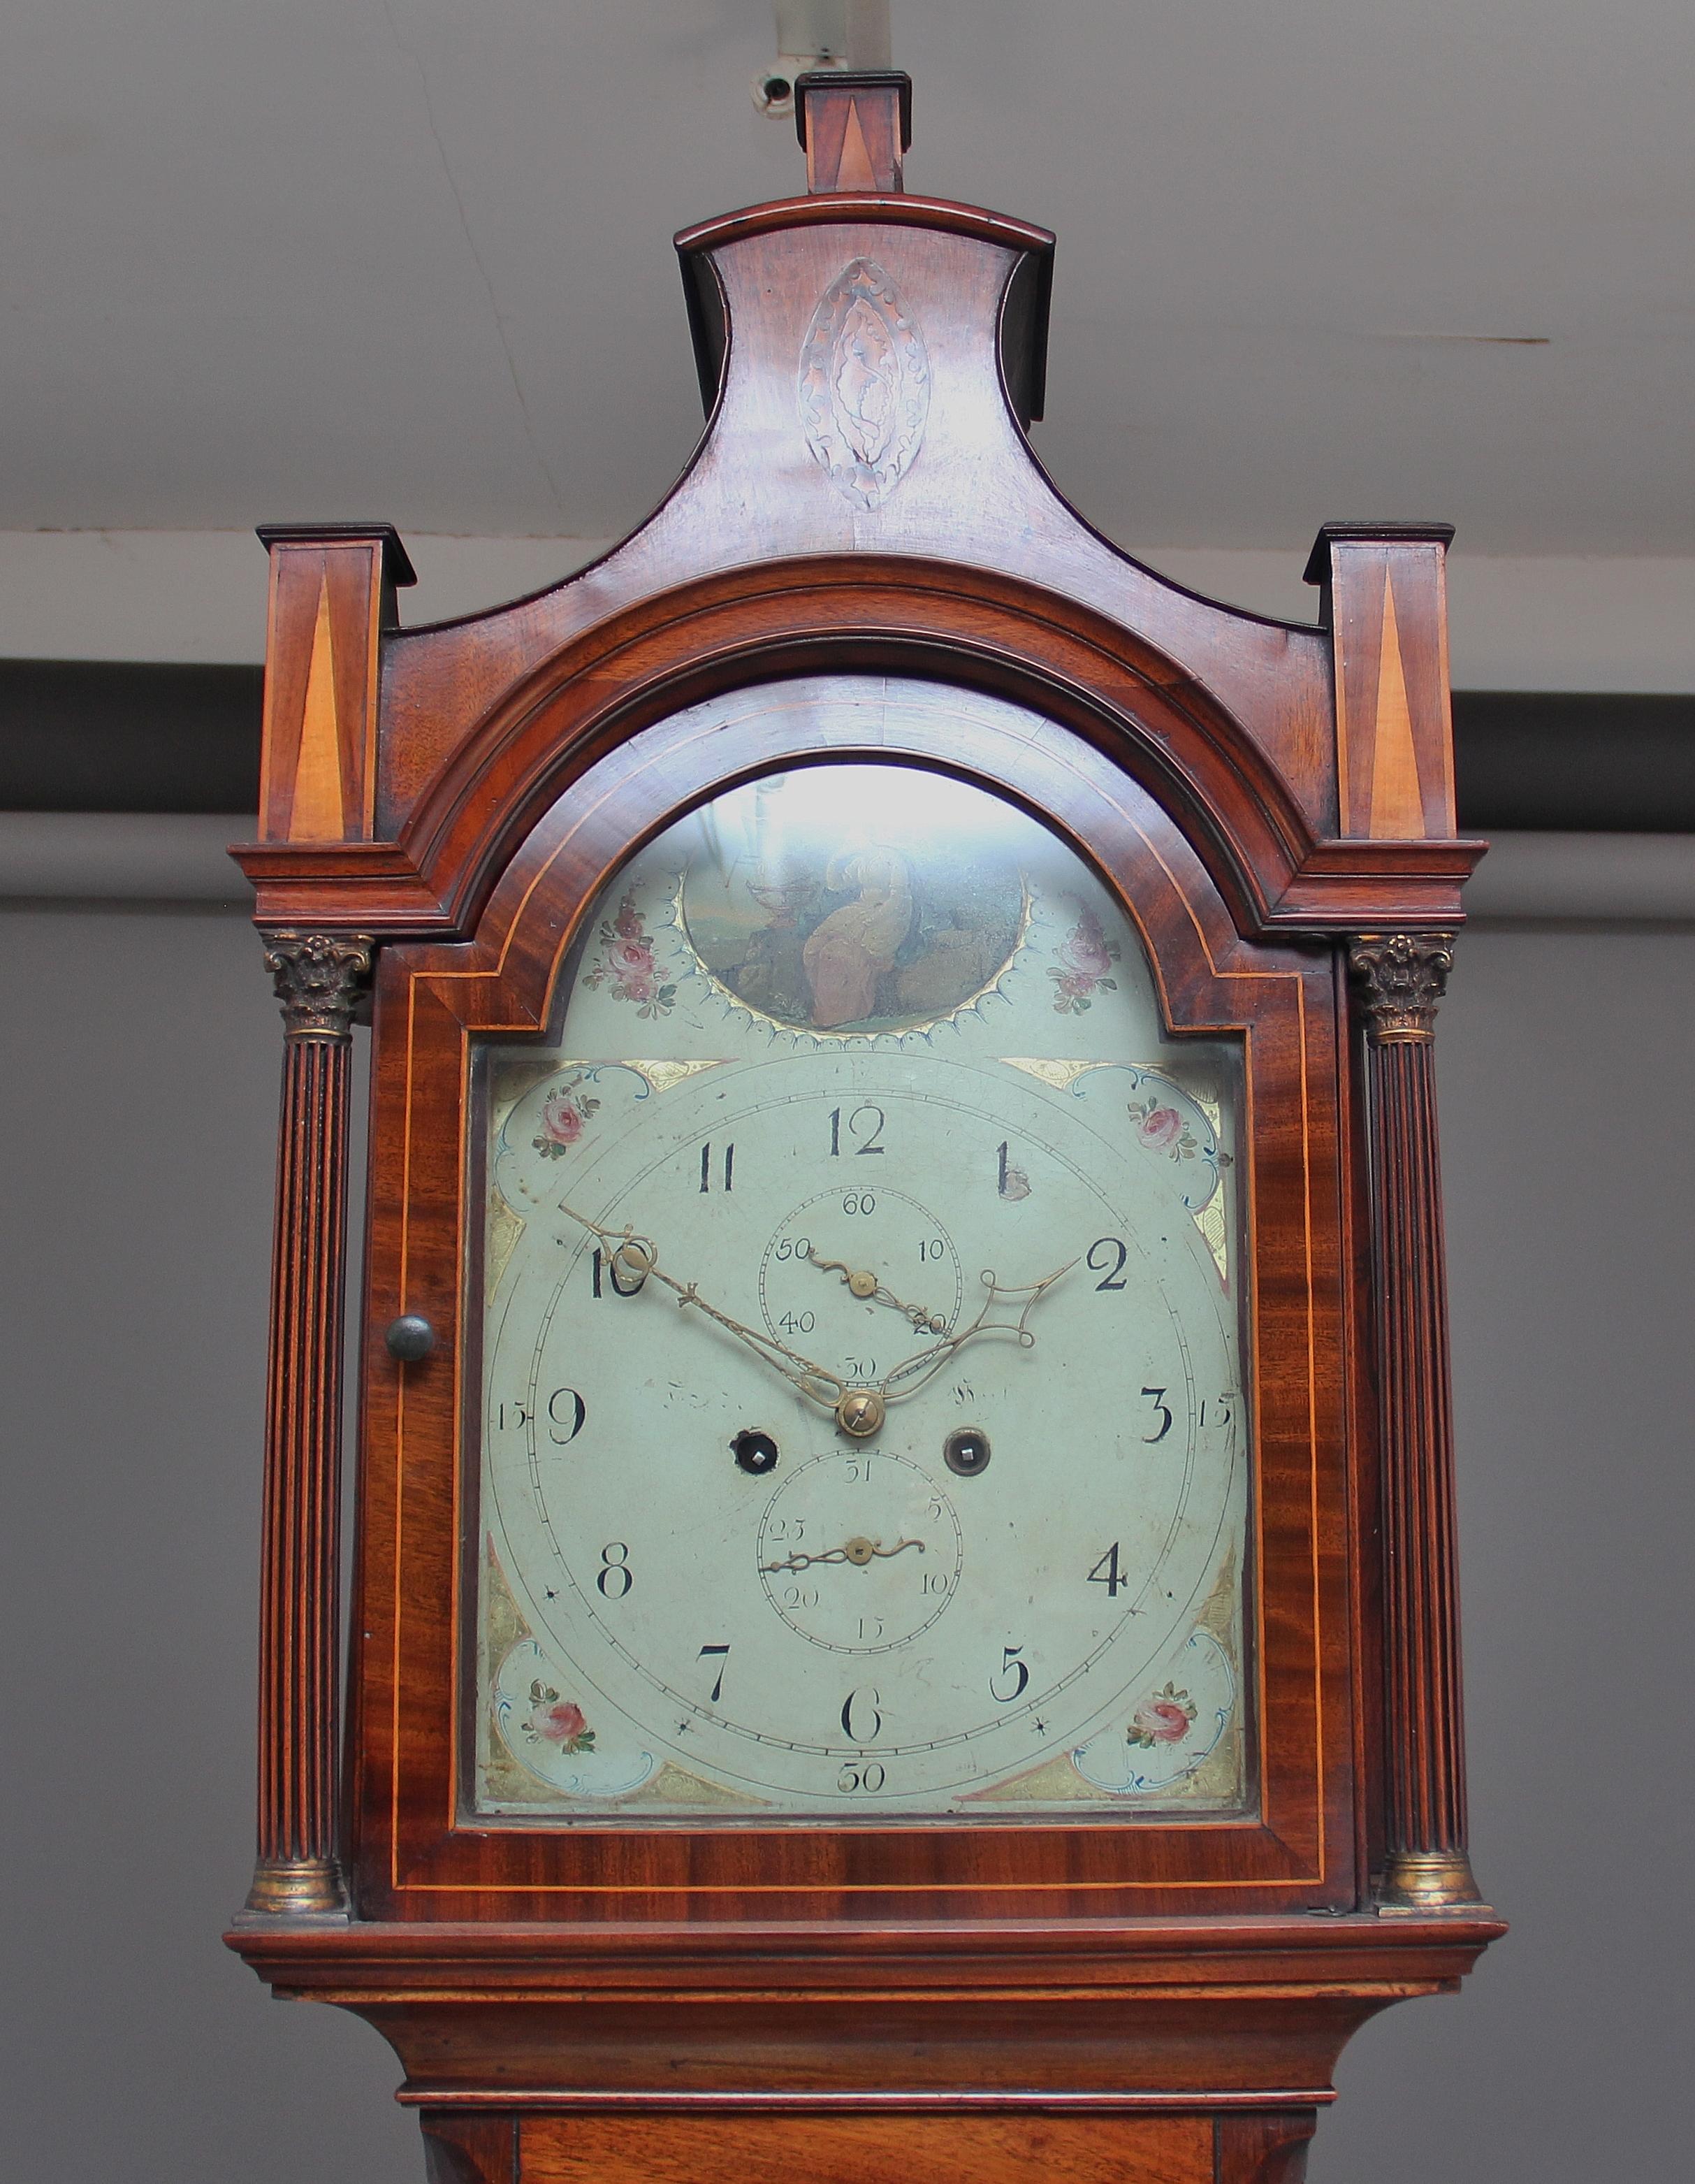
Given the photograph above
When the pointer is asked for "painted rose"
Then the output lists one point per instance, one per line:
(1085, 949)
(1084, 957)
(1160, 1128)
(562, 1122)
(564, 1119)
(627, 965)
(1159, 1718)
(633, 981)
(555, 1720)
(1163, 1720)
(562, 1723)
(630, 959)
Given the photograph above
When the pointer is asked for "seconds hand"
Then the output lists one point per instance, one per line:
(859, 1551)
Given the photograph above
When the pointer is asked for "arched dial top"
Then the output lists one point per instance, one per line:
(863, 1421)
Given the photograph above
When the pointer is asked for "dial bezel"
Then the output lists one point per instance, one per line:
(412, 1847)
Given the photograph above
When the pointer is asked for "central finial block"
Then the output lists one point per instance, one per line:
(855, 125)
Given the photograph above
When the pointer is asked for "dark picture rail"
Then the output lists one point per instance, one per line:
(118, 735)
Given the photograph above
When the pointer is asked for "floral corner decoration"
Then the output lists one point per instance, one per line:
(1163, 1720)
(564, 1117)
(1163, 1130)
(627, 965)
(1086, 956)
(555, 1720)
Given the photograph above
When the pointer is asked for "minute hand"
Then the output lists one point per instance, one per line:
(1015, 1301)
(640, 1255)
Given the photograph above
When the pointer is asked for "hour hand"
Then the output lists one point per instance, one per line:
(637, 1257)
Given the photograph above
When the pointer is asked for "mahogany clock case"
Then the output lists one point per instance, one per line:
(1272, 806)
(415, 1854)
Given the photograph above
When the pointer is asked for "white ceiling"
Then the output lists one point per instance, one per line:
(410, 259)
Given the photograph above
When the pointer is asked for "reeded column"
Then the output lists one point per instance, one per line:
(320, 979)
(1401, 977)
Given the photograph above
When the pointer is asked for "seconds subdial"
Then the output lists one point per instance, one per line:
(859, 1550)
(863, 1277)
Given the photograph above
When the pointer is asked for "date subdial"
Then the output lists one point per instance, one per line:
(864, 1277)
(859, 1550)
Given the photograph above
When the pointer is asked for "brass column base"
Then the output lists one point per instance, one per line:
(298, 1888)
(1429, 1881)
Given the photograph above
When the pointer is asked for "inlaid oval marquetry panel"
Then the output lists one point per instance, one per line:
(864, 384)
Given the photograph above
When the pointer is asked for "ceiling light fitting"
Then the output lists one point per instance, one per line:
(820, 34)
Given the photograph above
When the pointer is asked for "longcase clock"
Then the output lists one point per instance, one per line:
(903, 1615)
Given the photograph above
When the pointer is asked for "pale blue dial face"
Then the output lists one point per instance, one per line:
(863, 1429)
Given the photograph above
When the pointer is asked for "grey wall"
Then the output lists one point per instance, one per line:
(1567, 1068)
(139, 1103)
(139, 1094)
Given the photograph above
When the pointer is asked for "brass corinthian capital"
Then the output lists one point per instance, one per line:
(321, 979)
(1401, 977)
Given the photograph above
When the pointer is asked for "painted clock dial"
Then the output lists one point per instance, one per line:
(861, 1406)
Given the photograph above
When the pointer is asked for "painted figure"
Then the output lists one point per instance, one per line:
(850, 949)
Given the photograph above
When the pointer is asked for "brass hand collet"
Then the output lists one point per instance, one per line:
(862, 1283)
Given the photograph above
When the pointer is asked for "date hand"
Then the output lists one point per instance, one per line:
(637, 1259)
(862, 1283)
(861, 1552)
(1015, 1303)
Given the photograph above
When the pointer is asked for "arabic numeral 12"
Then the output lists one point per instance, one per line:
(865, 1123)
